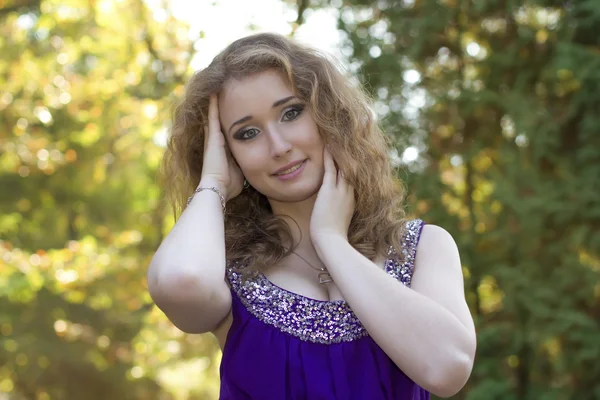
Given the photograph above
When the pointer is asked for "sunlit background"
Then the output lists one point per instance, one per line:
(492, 108)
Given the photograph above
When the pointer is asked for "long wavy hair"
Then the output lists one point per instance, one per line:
(254, 237)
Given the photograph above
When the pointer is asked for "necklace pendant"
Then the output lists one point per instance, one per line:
(325, 278)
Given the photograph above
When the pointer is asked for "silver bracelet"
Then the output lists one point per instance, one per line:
(212, 188)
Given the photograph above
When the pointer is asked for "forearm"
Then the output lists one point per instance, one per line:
(425, 340)
(195, 247)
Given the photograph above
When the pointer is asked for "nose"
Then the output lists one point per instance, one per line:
(279, 144)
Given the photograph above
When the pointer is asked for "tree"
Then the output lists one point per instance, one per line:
(86, 90)
(500, 100)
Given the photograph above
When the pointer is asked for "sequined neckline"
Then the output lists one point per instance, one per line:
(268, 283)
(317, 321)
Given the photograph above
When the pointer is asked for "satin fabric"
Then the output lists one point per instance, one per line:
(260, 362)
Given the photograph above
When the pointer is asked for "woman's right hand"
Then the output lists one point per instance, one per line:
(218, 162)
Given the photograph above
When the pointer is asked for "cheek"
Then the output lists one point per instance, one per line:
(311, 136)
(251, 160)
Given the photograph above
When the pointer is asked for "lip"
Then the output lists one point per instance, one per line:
(292, 175)
(290, 165)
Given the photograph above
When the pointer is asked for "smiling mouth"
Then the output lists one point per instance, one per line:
(291, 169)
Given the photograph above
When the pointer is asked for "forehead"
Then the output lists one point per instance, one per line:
(253, 92)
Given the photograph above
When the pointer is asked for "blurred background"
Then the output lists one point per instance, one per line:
(494, 108)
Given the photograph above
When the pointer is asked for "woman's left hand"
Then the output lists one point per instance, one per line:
(334, 206)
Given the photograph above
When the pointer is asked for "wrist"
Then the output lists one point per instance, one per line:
(329, 244)
(208, 181)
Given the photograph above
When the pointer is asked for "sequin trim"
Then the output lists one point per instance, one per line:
(314, 320)
(402, 268)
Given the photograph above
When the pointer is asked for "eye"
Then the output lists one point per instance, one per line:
(247, 134)
(292, 113)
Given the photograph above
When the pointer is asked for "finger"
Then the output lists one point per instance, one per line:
(349, 188)
(213, 113)
(330, 170)
(205, 131)
(229, 155)
(341, 181)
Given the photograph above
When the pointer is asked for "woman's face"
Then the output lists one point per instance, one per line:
(267, 129)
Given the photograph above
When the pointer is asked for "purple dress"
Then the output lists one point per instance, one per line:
(284, 346)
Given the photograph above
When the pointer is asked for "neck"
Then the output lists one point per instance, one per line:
(297, 215)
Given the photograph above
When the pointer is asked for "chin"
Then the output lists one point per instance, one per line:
(295, 193)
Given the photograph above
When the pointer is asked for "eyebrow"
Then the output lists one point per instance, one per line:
(249, 117)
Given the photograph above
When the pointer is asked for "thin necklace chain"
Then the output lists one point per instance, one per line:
(324, 276)
(312, 266)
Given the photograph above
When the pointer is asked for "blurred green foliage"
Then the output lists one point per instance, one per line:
(494, 108)
(501, 101)
(87, 89)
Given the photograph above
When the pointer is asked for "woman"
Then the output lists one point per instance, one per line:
(293, 249)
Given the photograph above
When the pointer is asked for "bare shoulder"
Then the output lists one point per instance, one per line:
(437, 249)
(433, 236)
(221, 331)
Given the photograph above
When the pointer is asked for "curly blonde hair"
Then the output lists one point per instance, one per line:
(253, 235)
